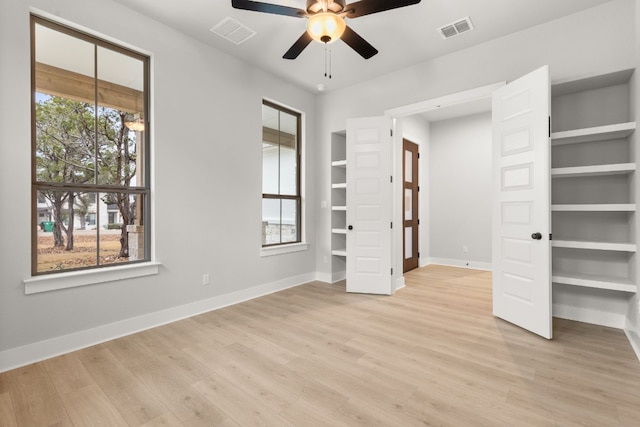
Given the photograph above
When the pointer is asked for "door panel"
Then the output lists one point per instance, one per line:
(369, 206)
(410, 205)
(521, 199)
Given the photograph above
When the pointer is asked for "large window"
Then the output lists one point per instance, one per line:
(281, 201)
(90, 170)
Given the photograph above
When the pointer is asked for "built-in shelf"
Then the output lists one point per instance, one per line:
(338, 208)
(615, 207)
(594, 170)
(339, 185)
(598, 133)
(339, 163)
(339, 252)
(603, 246)
(591, 281)
(339, 230)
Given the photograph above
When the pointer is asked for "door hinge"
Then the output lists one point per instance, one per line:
(391, 132)
(550, 236)
(391, 178)
(392, 271)
(391, 224)
(549, 126)
(418, 222)
(418, 188)
(418, 155)
(418, 254)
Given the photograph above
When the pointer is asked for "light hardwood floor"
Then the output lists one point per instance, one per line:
(313, 355)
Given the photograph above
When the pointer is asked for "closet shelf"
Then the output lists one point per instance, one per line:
(598, 133)
(338, 208)
(339, 163)
(616, 207)
(592, 281)
(339, 252)
(594, 170)
(339, 230)
(339, 185)
(603, 246)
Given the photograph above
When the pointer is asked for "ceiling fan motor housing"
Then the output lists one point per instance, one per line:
(335, 6)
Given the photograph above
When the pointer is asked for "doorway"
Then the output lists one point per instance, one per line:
(410, 185)
(405, 126)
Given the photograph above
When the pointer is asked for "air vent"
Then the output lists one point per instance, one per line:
(455, 28)
(233, 31)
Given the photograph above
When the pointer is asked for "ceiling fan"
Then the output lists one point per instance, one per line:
(326, 20)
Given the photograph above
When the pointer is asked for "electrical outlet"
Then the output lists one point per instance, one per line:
(206, 279)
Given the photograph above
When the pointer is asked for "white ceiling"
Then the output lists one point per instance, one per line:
(403, 37)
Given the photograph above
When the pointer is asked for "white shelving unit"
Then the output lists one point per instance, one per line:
(593, 180)
(600, 246)
(593, 281)
(594, 170)
(618, 207)
(338, 205)
(339, 252)
(597, 133)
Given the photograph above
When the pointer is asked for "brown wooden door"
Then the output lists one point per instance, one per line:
(410, 205)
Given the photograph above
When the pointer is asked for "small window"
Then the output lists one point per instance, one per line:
(281, 200)
(90, 169)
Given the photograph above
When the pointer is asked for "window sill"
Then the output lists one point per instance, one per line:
(74, 279)
(283, 249)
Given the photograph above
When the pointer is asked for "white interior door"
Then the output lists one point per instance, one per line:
(521, 198)
(369, 206)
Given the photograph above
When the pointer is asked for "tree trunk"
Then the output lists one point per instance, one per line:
(127, 219)
(124, 204)
(58, 240)
(124, 241)
(70, 202)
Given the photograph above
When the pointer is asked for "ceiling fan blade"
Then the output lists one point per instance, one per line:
(274, 9)
(367, 7)
(358, 44)
(298, 46)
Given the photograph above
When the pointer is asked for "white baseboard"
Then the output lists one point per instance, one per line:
(324, 277)
(476, 265)
(400, 283)
(331, 277)
(585, 315)
(340, 275)
(31, 353)
(633, 337)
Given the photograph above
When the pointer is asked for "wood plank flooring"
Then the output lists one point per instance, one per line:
(433, 354)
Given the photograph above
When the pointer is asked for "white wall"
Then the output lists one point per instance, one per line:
(460, 186)
(206, 156)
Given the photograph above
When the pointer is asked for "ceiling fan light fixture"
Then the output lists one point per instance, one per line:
(326, 27)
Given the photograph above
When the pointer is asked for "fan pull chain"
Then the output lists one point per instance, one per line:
(327, 61)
